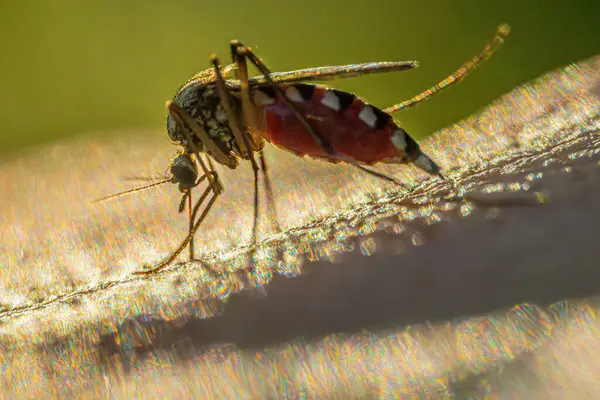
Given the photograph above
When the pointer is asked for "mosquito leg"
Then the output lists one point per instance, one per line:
(502, 32)
(249, 112)
(236, 126)
(186, 199)
(244, 140)
(194, 212)
(379, 175)
(241, 138)
(217, 189)
(255, 214)
(185, 120)
(271, 210)
(191, 226)
(190, 235)
(210, 175)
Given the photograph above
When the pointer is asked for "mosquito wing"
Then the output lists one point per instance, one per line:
(335, 71)
(208, 76)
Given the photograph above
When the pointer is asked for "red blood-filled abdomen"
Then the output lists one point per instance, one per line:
(349, 135)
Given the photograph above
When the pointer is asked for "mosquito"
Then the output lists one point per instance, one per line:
(223, 115)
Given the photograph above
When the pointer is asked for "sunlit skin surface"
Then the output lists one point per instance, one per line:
(66, 277)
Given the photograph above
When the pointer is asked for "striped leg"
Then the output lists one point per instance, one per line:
(502, 32)
(248, 110)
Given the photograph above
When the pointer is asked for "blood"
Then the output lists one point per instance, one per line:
(348, 134)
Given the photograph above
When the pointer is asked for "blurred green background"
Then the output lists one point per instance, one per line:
(70, 67)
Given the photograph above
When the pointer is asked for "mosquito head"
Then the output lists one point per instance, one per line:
(184, 172)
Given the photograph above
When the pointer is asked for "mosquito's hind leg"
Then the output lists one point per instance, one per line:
(239, 55)
(501, 33)
(271, 209)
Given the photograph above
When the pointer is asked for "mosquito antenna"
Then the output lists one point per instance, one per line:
(138, 189)
(210, 164)
(501, 33)
(379, 174)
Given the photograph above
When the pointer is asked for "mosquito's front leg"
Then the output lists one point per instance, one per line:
(191, 233)
(183, 117)
(235, 124)
(188, 196)
(187, 199)
(188, 123)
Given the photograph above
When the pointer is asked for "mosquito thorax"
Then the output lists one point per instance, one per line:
(184, 172)
(202, 102)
